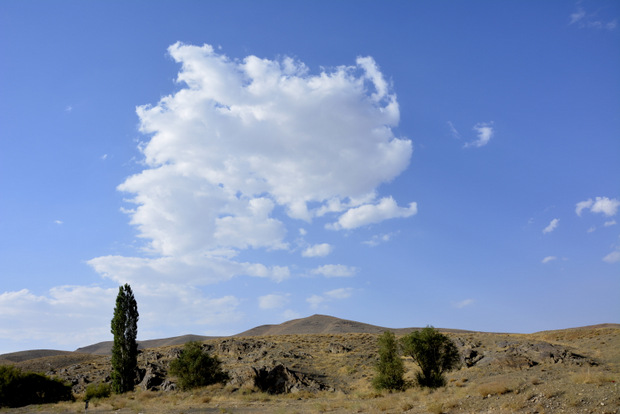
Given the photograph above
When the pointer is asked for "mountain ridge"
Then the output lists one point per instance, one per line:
(314, 324)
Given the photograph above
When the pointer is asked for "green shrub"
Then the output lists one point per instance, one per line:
(196, 368)
(18, 388)
(390, 368)
(434, 353)
(101, 390)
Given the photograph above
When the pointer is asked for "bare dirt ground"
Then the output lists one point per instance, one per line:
(566, 371)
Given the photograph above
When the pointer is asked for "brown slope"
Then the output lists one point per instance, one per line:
(315, 324)
(32, 354)
(324, 324)
(105, 348)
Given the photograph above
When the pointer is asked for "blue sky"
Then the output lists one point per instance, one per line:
(242, 163)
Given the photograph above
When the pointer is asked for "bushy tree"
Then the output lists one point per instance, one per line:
(125, 348)
(390, 368)
(18, 389)
(434, 353)
(196, 368)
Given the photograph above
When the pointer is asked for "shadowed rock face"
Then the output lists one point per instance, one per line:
(281, 380)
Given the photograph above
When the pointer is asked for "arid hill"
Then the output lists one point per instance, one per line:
(315, 324)
(105, 348)
(324, 364)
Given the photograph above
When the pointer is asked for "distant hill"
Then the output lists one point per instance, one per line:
(105, 348)
(324, 324)
(32, 354)
(315, 324)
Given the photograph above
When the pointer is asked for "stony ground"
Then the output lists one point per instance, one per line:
(570, 371)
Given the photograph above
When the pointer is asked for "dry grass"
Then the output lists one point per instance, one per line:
(496, 387)
(547, 387)
(592, 376)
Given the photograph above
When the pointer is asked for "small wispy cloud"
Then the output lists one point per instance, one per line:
(585, 20)
(485, 132)
(335, 270)
(607, 206)
(59, 222)
(317, 250)
(613, 257)
(337, 294)
(464, 303)
(104, 157)
(552, 226)
(273, 301)
(290, 314)
(549, 259)
(366, 214)
(378, 239)
(610, 223)
(68, 108)
(454, 131)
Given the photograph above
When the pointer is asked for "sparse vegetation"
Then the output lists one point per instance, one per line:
(588, 383)
(434, 353)
(18, 388)
(125, 348)
(196, 368)
(496, 387)
(97, 391)
(390, 368)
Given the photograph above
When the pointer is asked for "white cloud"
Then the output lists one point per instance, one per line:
(290, 314)
(610, 223)
(464, 303)
(366, 214)
(613, 257)
(59, 222)
(377, 239)
(315, 301)
(252, 228)
(549, 259)
(608, 207)
(195, 270)
(485, 133)
(337, 294)
(578, 15)
(453, 130)
(67, 317)
(583, 205)
(317, 250)
(342, 293)
(552, 226)
(273, 301)
(332, 270)
(244, 147)
(584, 20)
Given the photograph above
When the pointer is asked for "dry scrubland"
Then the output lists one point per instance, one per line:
(570, 371)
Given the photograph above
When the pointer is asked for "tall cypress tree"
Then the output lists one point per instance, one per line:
(125, 348)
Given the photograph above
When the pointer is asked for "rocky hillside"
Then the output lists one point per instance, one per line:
(560, 370)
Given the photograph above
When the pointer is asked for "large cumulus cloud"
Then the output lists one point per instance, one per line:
(247, 145)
